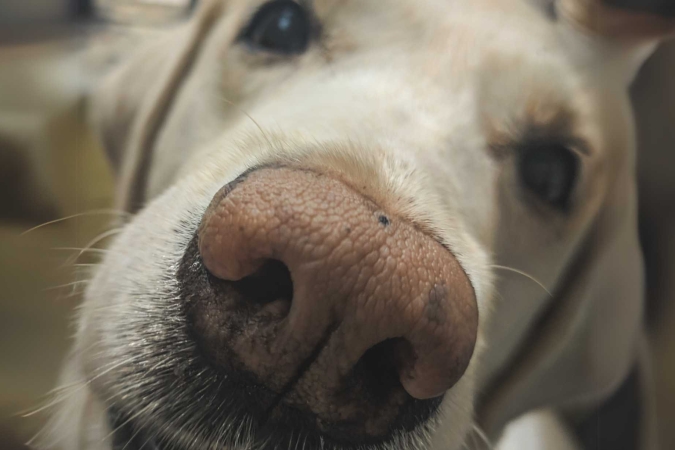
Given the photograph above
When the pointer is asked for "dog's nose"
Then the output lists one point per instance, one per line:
(313, 276)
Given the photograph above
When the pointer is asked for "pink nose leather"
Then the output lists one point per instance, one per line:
(360, 278)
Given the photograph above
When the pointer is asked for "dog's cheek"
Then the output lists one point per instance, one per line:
(455, 419)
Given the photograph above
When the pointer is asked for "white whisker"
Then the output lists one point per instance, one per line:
(82, 214)
(63, 286)
(255, 122)
(106, 369)
(481, 434)
(78, 249)
(525, 274)
(90, 244)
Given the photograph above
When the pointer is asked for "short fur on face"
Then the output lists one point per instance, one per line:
(424, 107)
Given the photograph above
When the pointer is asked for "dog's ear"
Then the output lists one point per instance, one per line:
(587, 342)
(130, 106)
(626, 20)
(620, 34)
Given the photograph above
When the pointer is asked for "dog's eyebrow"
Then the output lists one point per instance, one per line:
(536, 127)
(559, 130)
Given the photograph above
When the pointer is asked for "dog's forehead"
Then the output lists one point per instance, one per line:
(466, 44)
(443, 26)
(506, 46)
(378, 21)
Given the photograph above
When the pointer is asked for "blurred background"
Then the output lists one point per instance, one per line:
(52, 52)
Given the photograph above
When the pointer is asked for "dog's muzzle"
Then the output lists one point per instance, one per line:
(352, 318)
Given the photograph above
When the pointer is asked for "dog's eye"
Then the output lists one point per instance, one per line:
(549, 171)
(279, 26)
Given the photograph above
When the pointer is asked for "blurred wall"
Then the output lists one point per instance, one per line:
(654, 100)
(22, 11)
(50, 167)
(52, 172)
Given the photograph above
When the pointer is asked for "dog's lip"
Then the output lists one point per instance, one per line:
(131, 432)
(126, 434)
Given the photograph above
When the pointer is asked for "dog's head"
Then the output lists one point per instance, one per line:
(366, 223)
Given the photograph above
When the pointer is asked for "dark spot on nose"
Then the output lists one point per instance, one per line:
(434, 307)
(384, 220)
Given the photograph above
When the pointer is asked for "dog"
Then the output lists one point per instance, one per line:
(366, 224)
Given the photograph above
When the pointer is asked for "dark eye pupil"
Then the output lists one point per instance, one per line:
(550, 172)
(279, 26)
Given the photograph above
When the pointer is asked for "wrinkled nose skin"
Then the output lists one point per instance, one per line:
(345, 310)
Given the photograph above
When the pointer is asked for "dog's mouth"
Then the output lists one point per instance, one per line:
(289, 429)
(371, 408)
(373, 411)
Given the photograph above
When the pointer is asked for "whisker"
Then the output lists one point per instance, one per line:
(142, 410)
(525, 274)
(260, 128)
(136, 432)
(86, 213)
(66, 390)
(63, 286)
(473, 439)
(304, 442)
(78, 249)
(290, 441)
(54, 397)
(82, 385)
(59, 398)
(479, 431)
(93, 242)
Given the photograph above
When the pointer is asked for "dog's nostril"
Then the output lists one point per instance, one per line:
(269, 283)
(380, 365)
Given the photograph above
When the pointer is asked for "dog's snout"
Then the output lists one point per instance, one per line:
(329, 291)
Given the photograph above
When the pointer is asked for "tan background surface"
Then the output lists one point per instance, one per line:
(42, 135)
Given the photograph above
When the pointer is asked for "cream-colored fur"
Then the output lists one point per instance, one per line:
(419, 104)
